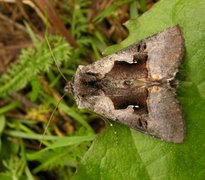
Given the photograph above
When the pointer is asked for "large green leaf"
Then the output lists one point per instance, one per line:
(138, 156)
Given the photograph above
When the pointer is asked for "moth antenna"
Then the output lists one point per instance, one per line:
(54, 59)
(50, 118)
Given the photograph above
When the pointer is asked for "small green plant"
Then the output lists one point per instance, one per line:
(33, 61)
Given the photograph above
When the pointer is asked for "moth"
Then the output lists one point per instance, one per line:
(134, 86)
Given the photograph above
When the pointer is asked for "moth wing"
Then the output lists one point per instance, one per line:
(165, 52)
(164, 118)
(165, 115)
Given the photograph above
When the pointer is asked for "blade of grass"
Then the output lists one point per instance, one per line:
(143, 5)
(110, 10)
(9, 107)
(20, 134)
(133, 10)
(62, 142)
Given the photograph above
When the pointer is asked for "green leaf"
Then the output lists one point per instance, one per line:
(138, 156)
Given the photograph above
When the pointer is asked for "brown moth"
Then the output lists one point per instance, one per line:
(133, 86)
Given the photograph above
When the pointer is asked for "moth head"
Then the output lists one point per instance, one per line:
(69, 87)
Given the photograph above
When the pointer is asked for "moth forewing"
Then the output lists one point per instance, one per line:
(165, 53)
(132, 86)
(165, 115)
